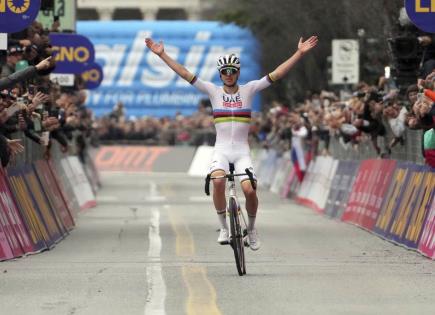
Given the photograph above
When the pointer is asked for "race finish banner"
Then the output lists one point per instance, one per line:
(136, 77)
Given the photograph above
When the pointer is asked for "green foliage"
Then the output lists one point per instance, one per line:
(278, 25)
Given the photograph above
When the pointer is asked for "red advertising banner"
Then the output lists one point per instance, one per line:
(129, 158)
(5, 249)
(427, 241)
(35, 226)
(14, 222)
(411, 211)
(422, 203)
(371, 184)
(54, 195)
(52, 221)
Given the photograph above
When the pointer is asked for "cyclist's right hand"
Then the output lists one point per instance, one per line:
(156, 48)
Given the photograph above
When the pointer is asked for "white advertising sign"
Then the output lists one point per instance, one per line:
(345, 61)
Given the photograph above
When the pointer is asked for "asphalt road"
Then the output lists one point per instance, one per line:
(150, 248)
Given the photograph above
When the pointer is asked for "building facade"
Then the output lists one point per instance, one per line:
(144, 9)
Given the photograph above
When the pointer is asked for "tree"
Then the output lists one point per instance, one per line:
(278, 24)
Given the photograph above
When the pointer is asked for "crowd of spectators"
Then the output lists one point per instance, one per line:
(196, 129)
(365, 114)
(33, 105)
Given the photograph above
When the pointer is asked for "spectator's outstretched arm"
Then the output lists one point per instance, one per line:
(159, 50)
(24, 74)
(303, 47)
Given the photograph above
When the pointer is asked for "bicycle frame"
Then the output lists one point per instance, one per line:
(232, 194)
(237, 234)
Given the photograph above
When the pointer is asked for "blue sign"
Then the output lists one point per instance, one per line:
(72, 52)
(16, 15)
(422, 14)
(138, 78)
(92, 76)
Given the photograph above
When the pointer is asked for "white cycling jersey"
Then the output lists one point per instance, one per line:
(232, 117)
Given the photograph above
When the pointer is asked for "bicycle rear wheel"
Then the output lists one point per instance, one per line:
(237, 237)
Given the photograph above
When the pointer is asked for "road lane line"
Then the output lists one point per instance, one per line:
(200, 198)
(201, 293)
(156, 293)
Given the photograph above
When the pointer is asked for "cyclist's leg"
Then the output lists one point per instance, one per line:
(251, 199)
(243, 162)
(219, 166)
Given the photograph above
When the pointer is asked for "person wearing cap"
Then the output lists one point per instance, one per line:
(231, 105)
(15, 54)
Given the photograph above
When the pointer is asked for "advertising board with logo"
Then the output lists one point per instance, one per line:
(138, 78)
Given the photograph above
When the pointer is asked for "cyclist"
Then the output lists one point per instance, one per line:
(232, 114)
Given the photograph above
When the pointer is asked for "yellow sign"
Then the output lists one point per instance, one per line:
(72, 54)
(9, 4)
(419, 8)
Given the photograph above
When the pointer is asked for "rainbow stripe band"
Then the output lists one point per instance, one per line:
(244, 120)
(232, 113)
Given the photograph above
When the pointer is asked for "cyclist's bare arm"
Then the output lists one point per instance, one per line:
(159, 50)
(303, 47)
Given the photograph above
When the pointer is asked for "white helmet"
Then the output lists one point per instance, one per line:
(228, 61)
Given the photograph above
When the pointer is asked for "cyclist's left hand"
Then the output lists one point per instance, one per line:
(310, 43)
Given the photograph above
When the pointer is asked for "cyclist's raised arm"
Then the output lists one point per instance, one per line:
(159, 50)
(303, 47)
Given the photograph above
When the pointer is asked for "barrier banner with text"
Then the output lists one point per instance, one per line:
(283, 170)
(80, 184)
(54, 195)
(9, 244)
(371, 183)
(392, 198)
(421, 209)
(341, 188)
(410, 211)
(52, 221)
(5, 249)
(32, 219)
(317, 182)
(13, 217)
(64, 185)
(144, 159)
(427, 241)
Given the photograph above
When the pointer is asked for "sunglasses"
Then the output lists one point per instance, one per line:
(229, 71)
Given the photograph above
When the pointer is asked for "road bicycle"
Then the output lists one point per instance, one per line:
(237, 234)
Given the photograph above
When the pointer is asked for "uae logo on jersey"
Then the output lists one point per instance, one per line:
(232, 101)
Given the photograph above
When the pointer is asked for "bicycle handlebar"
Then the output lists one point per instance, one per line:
(229, 176)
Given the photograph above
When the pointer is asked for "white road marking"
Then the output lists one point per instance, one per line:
(154, 196)
(200, 198)
(107, 198)
(155, 301)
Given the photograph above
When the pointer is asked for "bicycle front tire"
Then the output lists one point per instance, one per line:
(237, 242)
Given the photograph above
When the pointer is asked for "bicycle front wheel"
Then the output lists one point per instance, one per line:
(237, 237)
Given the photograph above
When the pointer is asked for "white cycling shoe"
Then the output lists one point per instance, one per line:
(252, 239)
(223, 236)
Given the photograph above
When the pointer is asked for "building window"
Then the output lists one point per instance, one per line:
(127, 14)
(171, 14)
(87, 14)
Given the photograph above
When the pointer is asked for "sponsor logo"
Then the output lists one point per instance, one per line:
(422, 14)
(232, 101)
(16, 15)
